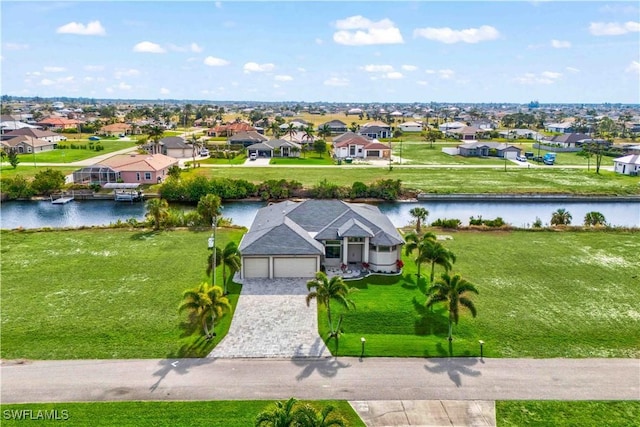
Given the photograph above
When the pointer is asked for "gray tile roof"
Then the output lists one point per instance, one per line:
(289, 228)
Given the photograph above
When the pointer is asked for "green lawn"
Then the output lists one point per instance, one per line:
(303, 161)
(421, 153)
(222, 413)
(238, 160)
(542, 294)
(448, 180)
(518, 413)
(68, 155)
(94, 294)
(28, 171)
(114, 293)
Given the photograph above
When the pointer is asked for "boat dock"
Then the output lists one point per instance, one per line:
(61, 199)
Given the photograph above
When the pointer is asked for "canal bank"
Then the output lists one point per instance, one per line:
(471, 197)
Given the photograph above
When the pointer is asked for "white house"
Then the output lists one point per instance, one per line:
(627, 165)
(410, 127)
(359, 147)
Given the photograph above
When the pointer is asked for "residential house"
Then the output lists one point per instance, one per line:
(176, 147)
(410, 127)
(337, 127)
(465, 133)
(230, 129)
(627, 165)
(359, 147)
(564, 127)
(115, 129)
(247, 138)
(486, 149)
(297, 239)
(484, 124)
(28, 144)
(521, 133)
(275, 148)
(127, 168)
(569, 140)
(45, 135)
(9, 125)
(58, 123)
(451, 125)
(376, 129)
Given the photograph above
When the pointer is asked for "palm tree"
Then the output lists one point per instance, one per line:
(231, 261)
(291, 130)
(452, 290)
(158, 209)
(308, 416)
(308, 133)
(594, 218)
(327, 290)
(561, 217)
(274, 127)
(283, 415)
(209, 208)
(417, 242)
(155, 134)
(436, 254)
(205, 304)
(324, 131)
(420, 214)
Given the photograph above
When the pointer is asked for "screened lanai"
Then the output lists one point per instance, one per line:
(96, 174)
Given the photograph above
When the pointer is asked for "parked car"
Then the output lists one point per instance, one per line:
(204, 152)
(521, 158)
(94, 138)
(253, 156)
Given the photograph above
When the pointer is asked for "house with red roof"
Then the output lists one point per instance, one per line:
(358, 147)
(58, 123)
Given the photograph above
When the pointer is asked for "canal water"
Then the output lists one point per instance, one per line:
(27, 215)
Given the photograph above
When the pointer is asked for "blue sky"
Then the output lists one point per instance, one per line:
(366, 51)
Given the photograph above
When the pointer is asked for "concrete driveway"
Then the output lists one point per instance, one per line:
(260, 161)
(272, 320)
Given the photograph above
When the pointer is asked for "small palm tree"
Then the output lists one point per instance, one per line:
(561, 217)
(415, 243)
(308, 416)
(435, 253)
(324, 290)
(230, 261)
(283, 415)
(594, 219)
(274, 127)
(205, 304)
(420, 214)
(158, 209)
(209, 207)
(324, 131)
(452, 290)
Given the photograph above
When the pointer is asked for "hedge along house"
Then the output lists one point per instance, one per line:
(296, 239)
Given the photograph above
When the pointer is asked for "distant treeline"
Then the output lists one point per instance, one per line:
(192, 189)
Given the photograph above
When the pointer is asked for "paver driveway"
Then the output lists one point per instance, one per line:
(272, 320)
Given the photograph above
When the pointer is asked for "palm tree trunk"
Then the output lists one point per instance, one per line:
(329, 316)
(433, 271)
(450, 328)
(224, 278)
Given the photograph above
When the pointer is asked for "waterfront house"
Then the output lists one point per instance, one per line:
(627, 165)
(127, 168)
(275, 148)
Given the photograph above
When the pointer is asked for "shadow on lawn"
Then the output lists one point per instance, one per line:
(430, 322)
(144, 235)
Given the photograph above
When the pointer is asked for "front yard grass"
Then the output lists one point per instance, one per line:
(302, 161)
(223, 413)
(103, 293)
(68, 155)
(542, 294)
(512, 413)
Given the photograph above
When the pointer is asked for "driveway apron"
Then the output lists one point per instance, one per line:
(272, 320)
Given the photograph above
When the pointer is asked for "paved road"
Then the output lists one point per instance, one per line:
(325, 378)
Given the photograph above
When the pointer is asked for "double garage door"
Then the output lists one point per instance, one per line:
(282, 267)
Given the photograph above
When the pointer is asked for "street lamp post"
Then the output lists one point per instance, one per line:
(481, 348)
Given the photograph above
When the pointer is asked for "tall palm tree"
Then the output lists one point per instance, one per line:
(230, 261)
(420, 214)
(209, 208)
(308, 133)
(324, 131)
(415, 243)
(324, 290)
(155, 134)
(283, 415)
(452, 290)
(561, 217)
(158, 209)
(291, 130)
(435, 253)
(274, 127)
(205, 304)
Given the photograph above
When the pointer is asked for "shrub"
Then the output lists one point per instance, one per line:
(446, 223)
(17, 187)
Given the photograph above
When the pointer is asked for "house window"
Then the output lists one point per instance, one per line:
(147, 176)
(356, 239)
(384, 248)
(333, 249)
(137, 176)
(352, 150)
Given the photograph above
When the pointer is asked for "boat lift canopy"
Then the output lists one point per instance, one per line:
(121, 185)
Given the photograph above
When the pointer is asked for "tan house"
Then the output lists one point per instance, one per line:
(116, 129)
(45, 135)
(127, 168)
(28, 144)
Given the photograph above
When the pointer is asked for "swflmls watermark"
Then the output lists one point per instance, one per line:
(35, 414)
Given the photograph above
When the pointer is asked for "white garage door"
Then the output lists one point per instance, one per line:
(294, 267)
(256, 267)
(511, 154)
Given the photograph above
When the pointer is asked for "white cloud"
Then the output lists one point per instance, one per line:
(409, 67)
(572, 70)
(283, 78)
(124, 86)
(131, 72)
(212, 61)
(613, 28)
(336, 81)
(54, 69)
(546, 77)
(93, 28)
(16, 46)
(446, 73)
(560, 44)
(394, 75)
(93, 67)
(634, 67)
(164, 91)
(360, 31)
(254, 67)
(449, 36)
(195, 48)
(371, 68)
(46, 82)
(148, 47)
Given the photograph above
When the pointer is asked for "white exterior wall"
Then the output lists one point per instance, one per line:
(410, 128)
(383, 261)
(619, 167)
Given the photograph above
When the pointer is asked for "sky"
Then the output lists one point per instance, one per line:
(325, 51)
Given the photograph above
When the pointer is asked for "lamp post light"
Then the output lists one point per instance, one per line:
(363, 341)
(481, 348)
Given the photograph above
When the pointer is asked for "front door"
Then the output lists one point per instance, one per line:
(355, 253)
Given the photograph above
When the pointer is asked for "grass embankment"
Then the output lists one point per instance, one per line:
(114, 294)
(542, 294)
(102, 294)
(518, 413)
(515, 180)
(223, 413)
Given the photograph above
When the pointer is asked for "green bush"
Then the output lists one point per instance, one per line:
(446, 223)
(16, 187)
